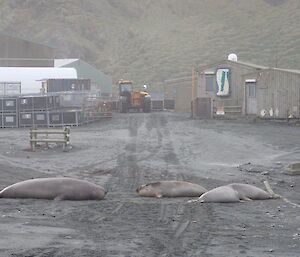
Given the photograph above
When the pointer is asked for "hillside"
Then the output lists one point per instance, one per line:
(149, 41)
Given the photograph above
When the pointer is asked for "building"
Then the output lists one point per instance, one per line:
(99, 80)
(180, 89)
(29, 70)
(272, 93)
(31, 78)
(18, 52)
(220, 88)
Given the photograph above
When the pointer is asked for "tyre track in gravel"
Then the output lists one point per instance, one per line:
(128, 225)
(173, 217)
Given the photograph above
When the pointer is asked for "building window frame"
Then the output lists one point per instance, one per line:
(210, 82)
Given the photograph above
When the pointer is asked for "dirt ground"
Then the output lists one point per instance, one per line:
(132, 149)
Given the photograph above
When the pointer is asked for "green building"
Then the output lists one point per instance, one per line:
(99, 80)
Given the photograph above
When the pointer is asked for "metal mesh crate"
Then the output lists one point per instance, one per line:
(42, 103)
(40, 119)
(9, 104)
(36, 103)
(72, 118)
(157, 105)
(169, 104)
(25, 119)
(55, 118)
(72, 99)
(9, 120)
(25, 103)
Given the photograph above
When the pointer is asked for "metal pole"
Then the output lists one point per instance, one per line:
(193, 92)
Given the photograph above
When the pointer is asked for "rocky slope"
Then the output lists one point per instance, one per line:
(149, 41)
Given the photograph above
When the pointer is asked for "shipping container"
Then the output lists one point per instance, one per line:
(63, 85)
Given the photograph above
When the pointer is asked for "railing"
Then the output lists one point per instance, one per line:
(65, 140)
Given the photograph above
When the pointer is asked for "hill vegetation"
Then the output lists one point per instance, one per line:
(149, 41)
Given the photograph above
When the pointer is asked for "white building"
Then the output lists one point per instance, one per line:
(31, 78)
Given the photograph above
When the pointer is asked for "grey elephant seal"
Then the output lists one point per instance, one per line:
(251, 192)
(235, 192)
(54, 188)
(171, 189)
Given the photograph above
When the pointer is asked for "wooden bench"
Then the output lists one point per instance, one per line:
(65, 140)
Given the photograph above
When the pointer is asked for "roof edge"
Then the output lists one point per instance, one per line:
(251, 65)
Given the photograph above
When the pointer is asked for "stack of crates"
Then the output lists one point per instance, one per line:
(157, 105)
(34, 109)
(8, 112)
(70, 111)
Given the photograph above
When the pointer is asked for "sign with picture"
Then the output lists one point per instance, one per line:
(223, 82)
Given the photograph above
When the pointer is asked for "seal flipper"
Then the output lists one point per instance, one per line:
(158, 195)
(244, 199)
(242, 196)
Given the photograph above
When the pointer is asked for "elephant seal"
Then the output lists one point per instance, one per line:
(54, 188)
(222, 194)
(251, 192)
(171, 189)
(235, 192)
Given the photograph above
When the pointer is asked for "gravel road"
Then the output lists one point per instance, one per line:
(135, 148)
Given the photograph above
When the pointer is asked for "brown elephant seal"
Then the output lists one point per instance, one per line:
(54, 188)
(171, 189)
(234, 192)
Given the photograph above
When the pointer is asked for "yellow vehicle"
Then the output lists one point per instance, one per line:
(130, 99)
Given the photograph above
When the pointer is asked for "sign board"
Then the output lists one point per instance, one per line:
(223, 82)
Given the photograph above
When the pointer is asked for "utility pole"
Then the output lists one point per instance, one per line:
(193, 102)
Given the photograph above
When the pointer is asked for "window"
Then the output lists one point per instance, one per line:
(251, 89)
(210, 83)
